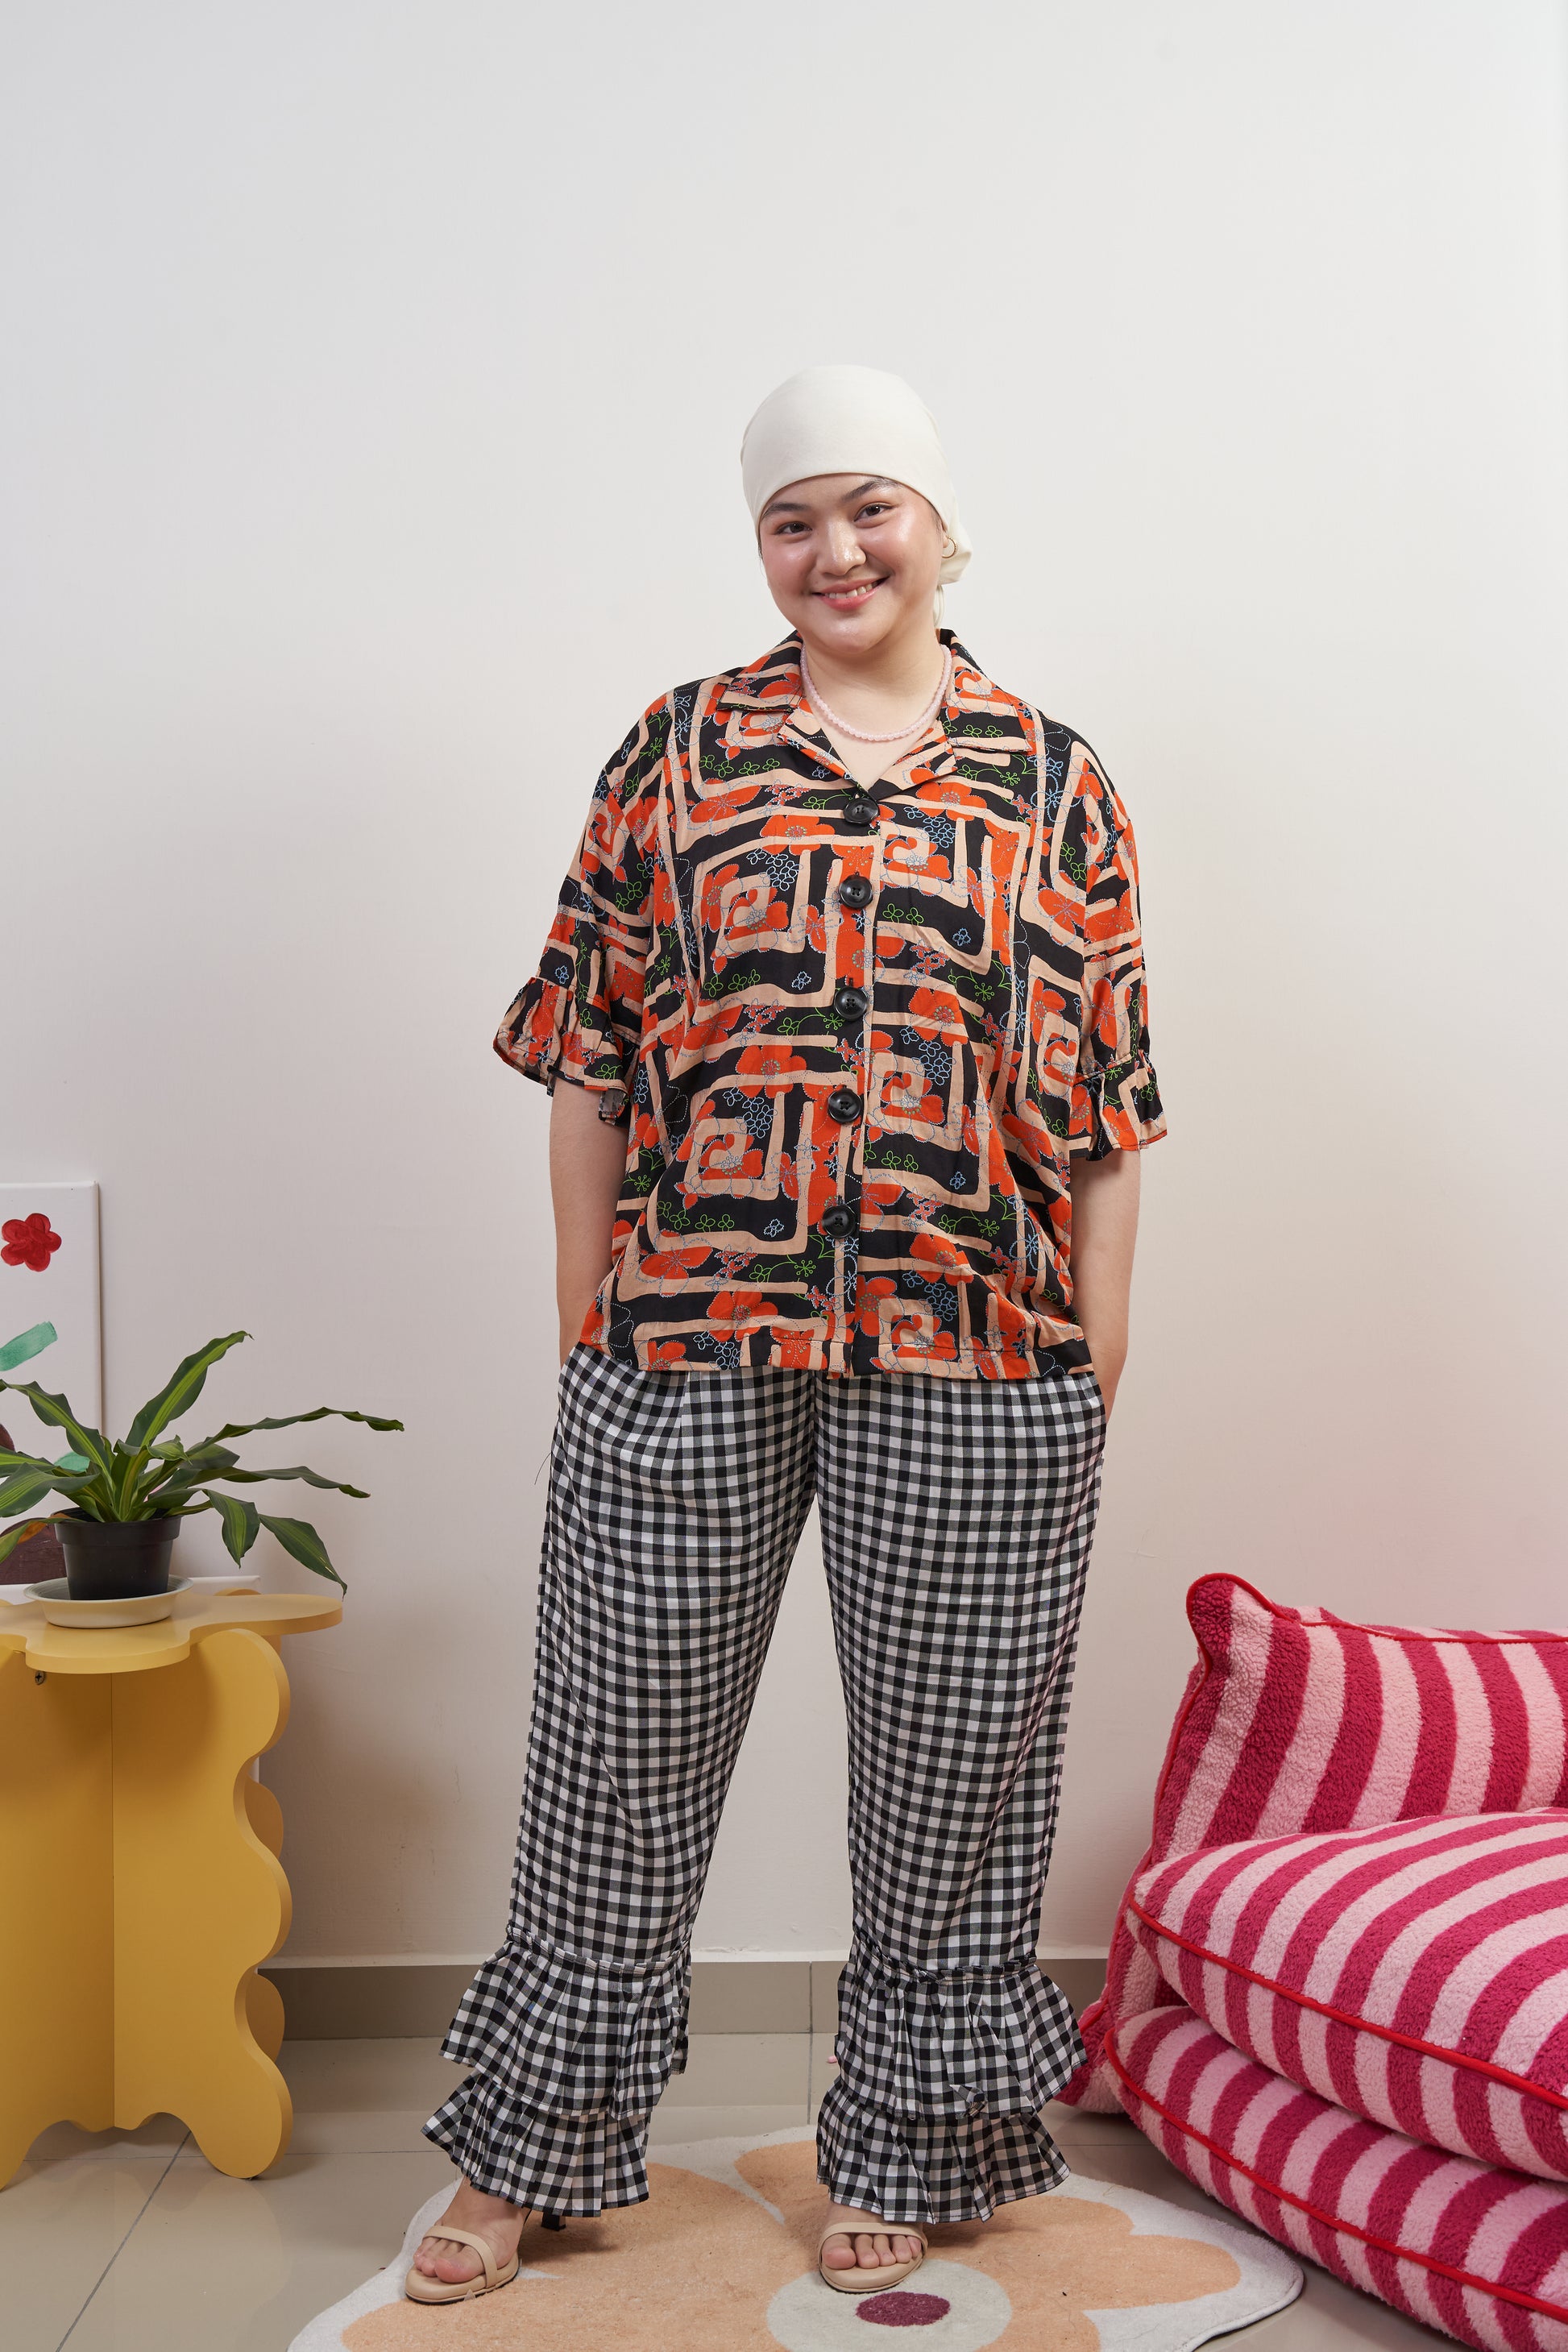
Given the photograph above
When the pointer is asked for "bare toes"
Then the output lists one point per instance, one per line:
(452, 2268)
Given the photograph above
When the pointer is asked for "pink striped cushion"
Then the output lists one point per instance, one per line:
(1480, 2253)
(1415, 1975)
(1295, 1719)
(1298, 1720)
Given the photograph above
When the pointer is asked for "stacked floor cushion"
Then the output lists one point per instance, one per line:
(1417, 1975)
(1480, 2252)
(1338, 1992)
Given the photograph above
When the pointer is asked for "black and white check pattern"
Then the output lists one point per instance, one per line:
(956, 1522)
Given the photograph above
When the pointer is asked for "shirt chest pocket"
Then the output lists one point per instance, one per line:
(759, 928)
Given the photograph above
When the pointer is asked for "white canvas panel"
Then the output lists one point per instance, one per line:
(53, 1279)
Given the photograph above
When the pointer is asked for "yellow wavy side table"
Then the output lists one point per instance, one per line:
(139, 1884)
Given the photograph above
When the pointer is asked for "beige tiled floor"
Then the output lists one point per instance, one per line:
(130, 2243)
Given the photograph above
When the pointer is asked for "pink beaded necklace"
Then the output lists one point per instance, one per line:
(894, 734)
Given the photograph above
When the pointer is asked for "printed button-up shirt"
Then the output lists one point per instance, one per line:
(855, 1036)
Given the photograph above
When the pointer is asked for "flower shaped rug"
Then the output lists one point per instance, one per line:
(723, 2258)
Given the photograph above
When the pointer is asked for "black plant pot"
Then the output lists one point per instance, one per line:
(105, 1562)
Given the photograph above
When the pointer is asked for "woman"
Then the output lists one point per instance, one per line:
(847, 986)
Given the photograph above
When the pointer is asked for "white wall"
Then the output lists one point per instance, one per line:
(374, 380)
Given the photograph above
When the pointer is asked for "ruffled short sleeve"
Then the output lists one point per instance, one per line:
(1116, 1101)
(580, 1015)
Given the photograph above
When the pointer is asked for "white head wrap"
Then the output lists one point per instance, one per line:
(850, 420)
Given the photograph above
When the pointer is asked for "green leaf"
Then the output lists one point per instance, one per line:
(72, 1485)
(293, 1420)
(240, 1522)
(9, 1462)
(27, 1345)
(203, 1458)
(73, 1462)
(167, 1477)
(58, 1415)
(21, 1492)
(301, 1542)
(192, 1465)
(180, 1393)
(311, 1478)
(11, 1537)
(168, 1485)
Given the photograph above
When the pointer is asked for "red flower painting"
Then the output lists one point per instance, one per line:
(28, 1241)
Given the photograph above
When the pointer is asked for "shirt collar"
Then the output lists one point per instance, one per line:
(770, 691)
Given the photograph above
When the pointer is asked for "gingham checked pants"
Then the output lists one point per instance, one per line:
(956, 1521)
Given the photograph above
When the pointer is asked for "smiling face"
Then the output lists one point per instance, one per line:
(852, 561)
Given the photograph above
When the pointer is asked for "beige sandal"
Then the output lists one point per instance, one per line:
(856, 2281)
(420, 2289)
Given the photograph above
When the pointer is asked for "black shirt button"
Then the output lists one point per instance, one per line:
(855, 890)
(849, 1001)
(859, 810)
(843, 1103)
(838, 1220)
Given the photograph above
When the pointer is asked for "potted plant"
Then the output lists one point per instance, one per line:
(125, 1500)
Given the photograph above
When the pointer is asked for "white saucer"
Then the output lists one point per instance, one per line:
(60, 1609)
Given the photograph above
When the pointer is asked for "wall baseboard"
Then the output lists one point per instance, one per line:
(391, 2001)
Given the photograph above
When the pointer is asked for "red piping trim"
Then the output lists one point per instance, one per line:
(1330, 2221)
(1206, 1660)
(1345, 2017)
(1533, 1634)
(1189, 1701)
(1173, 1745)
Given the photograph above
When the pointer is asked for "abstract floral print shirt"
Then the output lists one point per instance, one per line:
(857, 1036)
